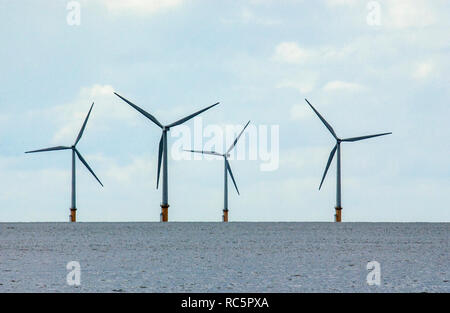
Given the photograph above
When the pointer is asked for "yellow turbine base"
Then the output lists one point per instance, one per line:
(73, 215)
(338, 215)
(225, 216)
(164, 213)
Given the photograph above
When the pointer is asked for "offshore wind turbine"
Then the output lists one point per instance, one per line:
(337, 147)
(75, 153)
(162, 153)
(227, 169)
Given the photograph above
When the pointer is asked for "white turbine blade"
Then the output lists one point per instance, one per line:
(237, 138)
(204, 152)
(232, 177)
(160, 153)
(50, 149)
(84, 125)
(87, 166)
(364, 137)
(328, 165)
(143, 112)
(323, 121)
(187, 118)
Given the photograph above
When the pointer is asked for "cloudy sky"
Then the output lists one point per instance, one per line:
(367, 66)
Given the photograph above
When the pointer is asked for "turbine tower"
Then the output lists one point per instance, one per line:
(162, 153)
(227, 169)
(337, 147)
(75, 152)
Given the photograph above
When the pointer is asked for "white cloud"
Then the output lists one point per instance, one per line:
(290, 52)
(247, 16)
(423, 70)
(339, 85)
(333, 3)
(140, 169)
(399, 14)
(409, 13)
(300, 111)
(309, 159)
(109, 112)
(303, 86)
(140, 6)
(127, 186)
(69, 117)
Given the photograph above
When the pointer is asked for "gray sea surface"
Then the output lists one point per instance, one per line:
(229, 258)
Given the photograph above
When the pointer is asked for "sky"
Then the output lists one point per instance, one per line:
(367, 66)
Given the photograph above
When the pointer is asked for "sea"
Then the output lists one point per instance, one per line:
(224, 257)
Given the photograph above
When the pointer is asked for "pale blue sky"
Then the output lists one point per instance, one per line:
(260, 59)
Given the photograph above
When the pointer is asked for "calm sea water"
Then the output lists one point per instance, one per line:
(217, 257)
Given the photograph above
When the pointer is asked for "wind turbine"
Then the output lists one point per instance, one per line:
(227, 170)
(73, 209)
(337, 147)
(162, 153)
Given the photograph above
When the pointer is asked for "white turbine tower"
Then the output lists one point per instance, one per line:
(337, 147)
(227, 170)
(162, 153)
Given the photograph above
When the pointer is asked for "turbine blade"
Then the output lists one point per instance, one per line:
(84, 125)
(146, 114)
(50, 149)
(232, 177)
(187, 118)
(160, 152)
(87, 166)
(323, 120)
(204, 152)
(364, 137)
(328, 165)
(237, 138)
